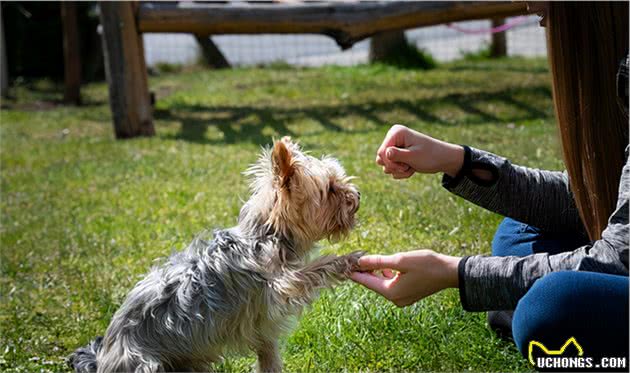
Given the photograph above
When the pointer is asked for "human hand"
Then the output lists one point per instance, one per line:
(408, 277)
(405, 151)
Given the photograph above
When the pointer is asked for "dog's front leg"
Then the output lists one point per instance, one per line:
(297, 287)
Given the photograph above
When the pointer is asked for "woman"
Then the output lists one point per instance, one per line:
(560, 258)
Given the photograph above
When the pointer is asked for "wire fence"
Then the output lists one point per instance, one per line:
(443, 43)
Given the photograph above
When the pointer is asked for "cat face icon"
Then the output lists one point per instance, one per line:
(570, 348)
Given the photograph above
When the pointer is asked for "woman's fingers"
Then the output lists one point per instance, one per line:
(399, 155)
(382, 285)
(403, 175)
(371, 281)
(379, 160)
(373, 262)
(388, 273)
(394, 168)
(394, 137)
(401, 167)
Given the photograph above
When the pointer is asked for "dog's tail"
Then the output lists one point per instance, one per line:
(83, 360)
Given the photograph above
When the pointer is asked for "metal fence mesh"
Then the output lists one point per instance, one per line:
(444, 43)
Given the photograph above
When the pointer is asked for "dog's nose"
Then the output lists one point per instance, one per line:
(359, 193)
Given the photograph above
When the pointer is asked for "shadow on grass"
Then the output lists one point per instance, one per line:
(42, 95)
(46, 104)
(247, 123)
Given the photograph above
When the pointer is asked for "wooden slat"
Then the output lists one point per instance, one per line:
(347, 23)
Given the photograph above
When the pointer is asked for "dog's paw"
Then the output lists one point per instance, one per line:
(352, 262)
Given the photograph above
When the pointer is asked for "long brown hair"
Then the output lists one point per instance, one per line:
(586, 41)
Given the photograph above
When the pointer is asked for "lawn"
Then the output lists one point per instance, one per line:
(83, 215)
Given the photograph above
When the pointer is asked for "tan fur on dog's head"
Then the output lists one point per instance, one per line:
(300, 196)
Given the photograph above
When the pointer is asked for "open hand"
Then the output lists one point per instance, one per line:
(405, 278)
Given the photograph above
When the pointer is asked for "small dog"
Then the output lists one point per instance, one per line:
(237, 291)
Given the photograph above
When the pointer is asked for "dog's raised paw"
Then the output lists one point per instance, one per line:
(352, 261)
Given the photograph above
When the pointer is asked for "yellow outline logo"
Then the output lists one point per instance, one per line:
(553, 352)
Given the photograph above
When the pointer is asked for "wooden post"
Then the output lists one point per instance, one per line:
(211, 53)
(71, 53)
(126, 71)
(143, 64)
(384, 44)
(4, 69)
(498, 48)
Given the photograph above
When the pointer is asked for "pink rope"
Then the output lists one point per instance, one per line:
(506, 26)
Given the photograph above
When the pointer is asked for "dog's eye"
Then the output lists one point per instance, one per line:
(331, 187)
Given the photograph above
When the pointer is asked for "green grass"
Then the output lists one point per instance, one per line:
(84, 215)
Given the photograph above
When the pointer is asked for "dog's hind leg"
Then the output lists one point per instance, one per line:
(269, 360)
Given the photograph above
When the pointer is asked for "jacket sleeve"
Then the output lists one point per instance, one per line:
(536, 197)
(497, 283)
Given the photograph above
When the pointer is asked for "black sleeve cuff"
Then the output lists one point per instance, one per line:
(467, 171)
(449, 182)
(461, 269)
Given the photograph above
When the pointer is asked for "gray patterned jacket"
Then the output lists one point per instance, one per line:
(497, 283)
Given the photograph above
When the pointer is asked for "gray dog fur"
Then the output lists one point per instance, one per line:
(237, 290)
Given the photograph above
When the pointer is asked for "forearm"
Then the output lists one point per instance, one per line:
(498, 283)
(446, 268)
(536, 197)
(452, 158)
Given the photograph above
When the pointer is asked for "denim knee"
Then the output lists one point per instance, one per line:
(591, 307)
(512, 238)
(536, 312)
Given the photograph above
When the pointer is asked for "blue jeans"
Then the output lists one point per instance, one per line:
(592, 307)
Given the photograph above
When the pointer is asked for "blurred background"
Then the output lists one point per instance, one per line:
(444, 43)
(38, 25)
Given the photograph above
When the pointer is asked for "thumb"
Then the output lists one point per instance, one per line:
(400, 155)
(373, 262)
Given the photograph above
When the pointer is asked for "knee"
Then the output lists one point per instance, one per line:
(592, 307)
(544, 310)
(507, 237)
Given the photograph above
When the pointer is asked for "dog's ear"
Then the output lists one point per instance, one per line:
(283, 166)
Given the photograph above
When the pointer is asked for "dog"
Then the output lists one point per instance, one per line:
(237, 291)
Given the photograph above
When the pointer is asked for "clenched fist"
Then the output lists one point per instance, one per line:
(405, 151)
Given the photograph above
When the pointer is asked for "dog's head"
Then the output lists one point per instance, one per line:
(300, 196)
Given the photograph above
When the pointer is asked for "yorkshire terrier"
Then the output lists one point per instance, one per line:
(237, 291)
